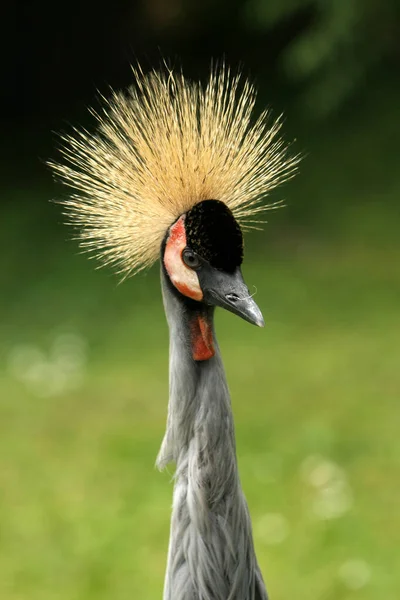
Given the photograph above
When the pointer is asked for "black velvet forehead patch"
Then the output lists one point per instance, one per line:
(213, 233)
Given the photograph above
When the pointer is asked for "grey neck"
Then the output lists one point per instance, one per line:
(199, 411)
(211, 554)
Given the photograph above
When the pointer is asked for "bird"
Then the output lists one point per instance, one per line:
(177, 170)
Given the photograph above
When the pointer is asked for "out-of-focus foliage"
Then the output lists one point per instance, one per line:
(336, 43)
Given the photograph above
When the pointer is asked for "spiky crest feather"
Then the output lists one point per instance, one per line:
(160, 148)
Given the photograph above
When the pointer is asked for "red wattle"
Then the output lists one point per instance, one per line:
(201, 338)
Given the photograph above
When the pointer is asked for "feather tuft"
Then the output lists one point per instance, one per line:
(159, 149)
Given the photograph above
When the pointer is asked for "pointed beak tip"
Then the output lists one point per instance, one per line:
(260, 322)
(255, 314)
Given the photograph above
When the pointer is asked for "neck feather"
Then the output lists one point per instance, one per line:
(199, 404)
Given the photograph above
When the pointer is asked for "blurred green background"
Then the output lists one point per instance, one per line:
(83, 361)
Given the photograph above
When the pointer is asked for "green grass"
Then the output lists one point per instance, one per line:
(83, 512)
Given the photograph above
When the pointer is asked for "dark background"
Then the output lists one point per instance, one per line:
(83, 362)
(323, 63)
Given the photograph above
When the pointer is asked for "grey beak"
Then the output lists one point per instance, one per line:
(229, 291)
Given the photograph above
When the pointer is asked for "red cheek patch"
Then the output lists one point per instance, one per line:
(184, 279)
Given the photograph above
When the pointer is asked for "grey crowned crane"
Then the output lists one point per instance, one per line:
(173, 170)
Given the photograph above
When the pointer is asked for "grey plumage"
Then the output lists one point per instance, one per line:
(211, 552)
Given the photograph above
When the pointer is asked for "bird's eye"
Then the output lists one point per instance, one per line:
(190, 258)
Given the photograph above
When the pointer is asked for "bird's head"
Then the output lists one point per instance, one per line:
(202, 255)
(178, 164)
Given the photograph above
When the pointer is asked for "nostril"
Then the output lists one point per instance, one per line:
(232, 297)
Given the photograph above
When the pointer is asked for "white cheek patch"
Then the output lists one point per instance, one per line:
(184, 279)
